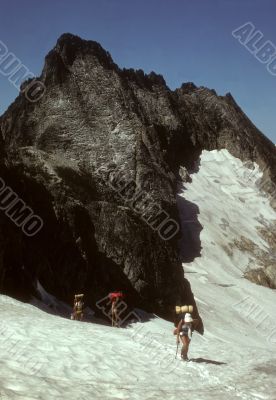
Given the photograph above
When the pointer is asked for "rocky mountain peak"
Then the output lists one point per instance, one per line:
(96, 125)
(188, 87)
(68, 48)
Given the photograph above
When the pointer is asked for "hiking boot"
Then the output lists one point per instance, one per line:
(184, 355)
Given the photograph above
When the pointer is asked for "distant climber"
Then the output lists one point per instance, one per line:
(115, 298)
(184, 331)
(78, 308)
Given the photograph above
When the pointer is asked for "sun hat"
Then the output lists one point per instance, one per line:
(188, 318)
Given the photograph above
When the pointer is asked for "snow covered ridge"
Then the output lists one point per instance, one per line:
(236, 217)
(230, 214)
(233, 215)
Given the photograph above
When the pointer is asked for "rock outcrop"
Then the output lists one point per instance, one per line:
(99, 158)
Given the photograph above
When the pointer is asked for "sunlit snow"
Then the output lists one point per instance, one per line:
(44, 356)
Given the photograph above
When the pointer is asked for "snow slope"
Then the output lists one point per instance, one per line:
(45, 356)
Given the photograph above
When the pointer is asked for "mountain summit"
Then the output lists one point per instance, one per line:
(100, 158)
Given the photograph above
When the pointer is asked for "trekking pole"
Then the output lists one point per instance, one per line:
(176, 349)
(113, 318)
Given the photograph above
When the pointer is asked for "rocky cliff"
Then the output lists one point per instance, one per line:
(98, 158)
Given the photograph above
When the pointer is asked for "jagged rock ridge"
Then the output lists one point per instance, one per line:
(96, 123)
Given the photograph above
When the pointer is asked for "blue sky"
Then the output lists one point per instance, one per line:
(184, 40)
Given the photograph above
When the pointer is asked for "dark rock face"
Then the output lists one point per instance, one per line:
(216, 122)
(98, 159)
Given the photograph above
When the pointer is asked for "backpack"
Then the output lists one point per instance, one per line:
(115, 295)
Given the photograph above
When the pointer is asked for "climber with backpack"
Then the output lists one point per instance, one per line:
(115, 298)
(184, 331)
(78, 307)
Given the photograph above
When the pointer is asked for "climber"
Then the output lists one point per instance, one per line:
(115, 298)
(78, 307)
(184, 331)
